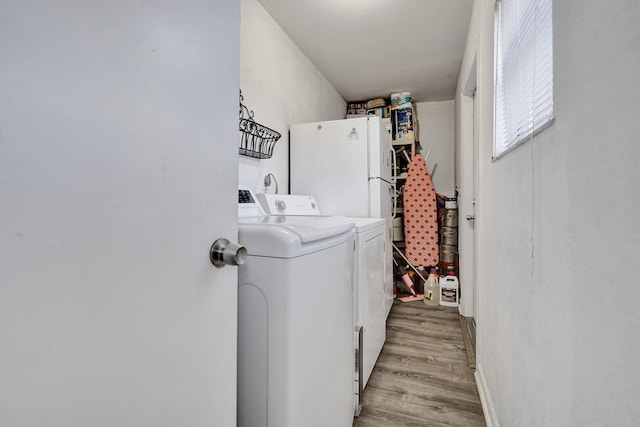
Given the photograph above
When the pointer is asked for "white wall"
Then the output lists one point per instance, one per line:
(282, 87)
(558, 240)
(436, 133)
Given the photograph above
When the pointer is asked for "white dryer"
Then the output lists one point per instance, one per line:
(295, 319)
(369, 271)
(370, 305)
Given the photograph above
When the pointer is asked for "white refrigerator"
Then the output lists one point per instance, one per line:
(347, 166)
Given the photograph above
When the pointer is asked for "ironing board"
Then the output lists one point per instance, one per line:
(420, 215)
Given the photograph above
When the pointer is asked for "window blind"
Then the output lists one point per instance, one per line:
(523, 71)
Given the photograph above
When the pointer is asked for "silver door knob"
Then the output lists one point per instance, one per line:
(471, 217)
(223, 252)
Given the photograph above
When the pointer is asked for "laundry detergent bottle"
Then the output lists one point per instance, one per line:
(432, 289)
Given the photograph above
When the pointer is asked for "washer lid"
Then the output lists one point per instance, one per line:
(291, 236)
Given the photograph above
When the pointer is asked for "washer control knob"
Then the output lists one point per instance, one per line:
(281, 205)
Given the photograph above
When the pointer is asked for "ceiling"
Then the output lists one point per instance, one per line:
(372, 48)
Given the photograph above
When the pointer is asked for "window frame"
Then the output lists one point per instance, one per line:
(503, 143)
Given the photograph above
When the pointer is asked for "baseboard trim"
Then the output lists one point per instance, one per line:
(485, 399)
(469, 338)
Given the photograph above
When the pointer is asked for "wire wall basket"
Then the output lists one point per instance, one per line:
(256, 140)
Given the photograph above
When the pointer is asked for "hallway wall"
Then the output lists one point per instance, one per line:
(282, 87)
(436, 121)
(557, 329)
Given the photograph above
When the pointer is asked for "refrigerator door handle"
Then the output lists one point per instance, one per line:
(394, 159)
(395, 202)
(394, 180)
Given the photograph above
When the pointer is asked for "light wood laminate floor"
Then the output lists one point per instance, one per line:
(422, 377)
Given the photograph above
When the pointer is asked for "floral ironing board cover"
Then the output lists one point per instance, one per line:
(420, 215)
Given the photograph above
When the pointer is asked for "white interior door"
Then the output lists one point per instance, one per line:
(468, 183)
(471, 217)
(118, 152)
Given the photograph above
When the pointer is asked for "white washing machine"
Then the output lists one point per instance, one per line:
(369, 293)
(295, 319)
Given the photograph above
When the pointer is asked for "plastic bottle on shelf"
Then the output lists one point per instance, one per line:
(432, 289)
(449, 290)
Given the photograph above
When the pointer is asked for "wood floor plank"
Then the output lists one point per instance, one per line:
(469, 336)
(422, 377)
